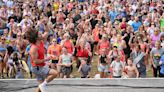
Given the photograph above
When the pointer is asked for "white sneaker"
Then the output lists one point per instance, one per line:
(42, 88)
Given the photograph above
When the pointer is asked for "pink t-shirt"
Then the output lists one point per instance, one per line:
(154, 39)
(69, 6)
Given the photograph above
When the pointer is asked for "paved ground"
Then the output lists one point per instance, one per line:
(86, 85)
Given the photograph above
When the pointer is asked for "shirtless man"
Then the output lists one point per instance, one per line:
(131, 70)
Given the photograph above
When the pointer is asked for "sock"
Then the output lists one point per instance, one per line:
(44, 83)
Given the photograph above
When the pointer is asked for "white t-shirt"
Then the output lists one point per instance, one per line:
(130, 22)
(117, 68)
(66, 59)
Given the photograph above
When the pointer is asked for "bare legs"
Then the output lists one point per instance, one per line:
(52, 74)
(103, 74)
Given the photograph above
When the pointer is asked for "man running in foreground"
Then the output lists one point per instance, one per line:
(43, 73)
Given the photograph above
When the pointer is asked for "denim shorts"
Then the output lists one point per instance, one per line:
(103, 68)
(54, 61)
(41, 72)
(66, 70)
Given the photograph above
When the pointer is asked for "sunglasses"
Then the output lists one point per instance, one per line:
(54, 41)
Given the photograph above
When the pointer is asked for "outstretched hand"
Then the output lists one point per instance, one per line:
(48, 58)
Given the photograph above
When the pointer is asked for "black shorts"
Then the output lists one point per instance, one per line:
(54, 61)
(116, 76)
(95, 43)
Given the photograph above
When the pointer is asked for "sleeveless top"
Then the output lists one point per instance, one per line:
(40, 54)
(69, 47)
(82, 52)
(103, 45)
(102, 59)
(123, 25)
(53, 20)
(66, 59)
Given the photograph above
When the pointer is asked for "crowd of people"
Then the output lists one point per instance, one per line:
(124, 38)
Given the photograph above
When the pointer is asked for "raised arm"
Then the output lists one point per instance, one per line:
(46, 33)
(46, 28)
(130, 40)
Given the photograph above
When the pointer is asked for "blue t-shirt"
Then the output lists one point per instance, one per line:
(81, 0)
(58, 40)
(2, 49)
(10, 4)
(123, 14)
(28, 60)
(41, 28)
(162, 66)
(112, 15)
(27, 50)
(136, 25)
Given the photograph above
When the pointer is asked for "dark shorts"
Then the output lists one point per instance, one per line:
(66, 70)
(54, 61)
(142, 74)
(75, 52)
(41, 72)
(116, 76)
(95, 43)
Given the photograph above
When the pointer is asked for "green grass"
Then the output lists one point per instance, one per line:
(94, 70)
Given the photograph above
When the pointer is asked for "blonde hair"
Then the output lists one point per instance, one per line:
(66, 35)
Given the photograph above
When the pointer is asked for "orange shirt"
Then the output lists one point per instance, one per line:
(54, 51)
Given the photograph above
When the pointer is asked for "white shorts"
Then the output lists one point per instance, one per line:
(103, 68)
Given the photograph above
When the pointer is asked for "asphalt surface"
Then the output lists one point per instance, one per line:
(86, 85)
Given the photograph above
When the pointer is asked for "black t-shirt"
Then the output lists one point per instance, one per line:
(74, 38)
(66, 12)
(76, 18)
(127, 50)
(93, 23)
(102, 59)
(49, 13)
(53, 20)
